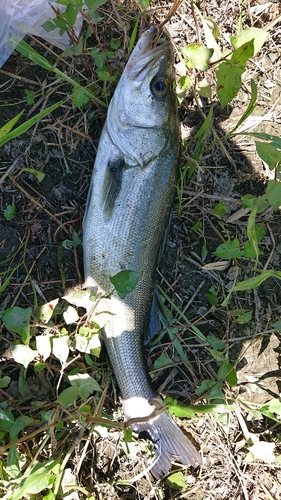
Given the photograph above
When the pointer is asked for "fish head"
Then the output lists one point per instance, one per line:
(142, 117)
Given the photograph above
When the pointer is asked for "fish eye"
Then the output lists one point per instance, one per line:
(159, 86)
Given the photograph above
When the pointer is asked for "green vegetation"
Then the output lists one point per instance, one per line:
(34, 439)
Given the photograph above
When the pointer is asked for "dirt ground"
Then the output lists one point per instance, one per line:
(40, 262)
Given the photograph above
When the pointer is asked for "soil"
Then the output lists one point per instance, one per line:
(39, 262)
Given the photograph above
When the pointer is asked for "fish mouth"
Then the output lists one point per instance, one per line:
(144, 56)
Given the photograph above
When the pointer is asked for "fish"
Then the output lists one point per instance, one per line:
(129, 203)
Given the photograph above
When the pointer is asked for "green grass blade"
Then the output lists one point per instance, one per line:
(29, 123)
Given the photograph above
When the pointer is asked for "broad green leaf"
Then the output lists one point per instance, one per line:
(6, 420)
(70, 315)
(184, 82)
(262, 450)
(176, 481)
(17, 320)
(277, 325)
(220, 208)
(216, 343)
(10, 212)
(43, 345)
(269, 154)
(94, 4)
(4, 381)
(254, 282)
(144, 4)
(8, 126)
(198, 56)
(275, 140)
(205, 386)
(125, 282)
(227, 372)
(36, 482)
(19, 424)
(60, 347)
(212, 32)
(257, 35)
(80, 298)
(14, 463)
(242, 54)
(228, 81)
(162, 361)
(85, 384)
(242, 318)
(271, 407)
(204, 89)
(229, 250)
(88, 342)
(273, 193)
(81, 97)
(46, 311)
(68, 396)
(23, 354)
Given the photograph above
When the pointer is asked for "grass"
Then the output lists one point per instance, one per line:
(64, 397)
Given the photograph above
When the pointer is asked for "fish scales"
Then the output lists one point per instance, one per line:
(127, 213)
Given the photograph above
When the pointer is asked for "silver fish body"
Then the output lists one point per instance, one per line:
(128, 207)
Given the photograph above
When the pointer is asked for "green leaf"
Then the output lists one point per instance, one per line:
(220, 208)
(19, 424)
(6, 419)
(242, 317)
(254, 282)
(49, 26)
(81, 97)
(68, 396)
(228, 81)
(60, 347)
(176, 481)
(17, 320)
(198, 56)
(216, 343)
(229, 250)
(125, 282)
(273, 193)
(162, 361)
(206, 125)
(257, 35)
(23, 354)
(46, 311)
(250, 108)
(88, 341)
(5, 381)
(34, 483)
(144, 4)
(227, 372)
(204, 89)
(269, 154)
(30, 96)
(10, 124)
(84, 384)
(271, 408)
(277, 325)
(242, 54)
(40, 175)
(70, 315)
(10, 212)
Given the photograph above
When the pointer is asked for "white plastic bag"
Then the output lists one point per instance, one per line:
(21, 17)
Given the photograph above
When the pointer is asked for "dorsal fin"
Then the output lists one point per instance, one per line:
(112, 185)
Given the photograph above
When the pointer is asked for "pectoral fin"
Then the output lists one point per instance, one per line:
(112, 185)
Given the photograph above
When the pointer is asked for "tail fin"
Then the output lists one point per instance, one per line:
(170, 443)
